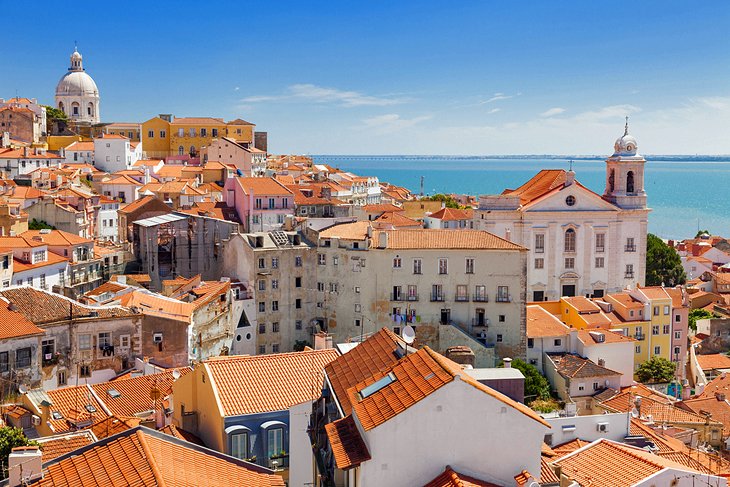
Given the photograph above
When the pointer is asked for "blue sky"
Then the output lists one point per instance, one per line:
(381, 77)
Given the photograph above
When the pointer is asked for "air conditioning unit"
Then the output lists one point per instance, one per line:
(36, 420)
(602, 427)
(157, 338)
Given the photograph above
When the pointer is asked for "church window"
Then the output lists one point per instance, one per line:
(90, 109)
(75, 108)
(181, 132)
(600, 242)
(570, 240)
(611, 179)
(570, 200)
(540, 243)
(181, 151)
(630, 182)
(192, 151)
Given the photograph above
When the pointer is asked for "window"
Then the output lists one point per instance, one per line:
(570, 200)
(558, 342)
(322, 259)
(657, 350)
(462, 294)
(239, 445)
(275, 283)
(443, 266)
(677, 335)
(258, 203)
(336, 260)
(43, 281)
(502, 318)
(298, 325)
(298, 303)
(151, 134)
(539, 263)
(357, 321)
(596, 386)
(665, 329)
(530, 343)
(61, 378)
(469, 265)
(480, 293)
(203, 132)
(22, 357)
(275, 327)
(181, 149)
(569, 262)
(600, 242)
(275, 306)
(416, 266)
(272, 203)
(262, 285)
(214, 132)
(412, 292)
(638, 349)
(85, 371)
(499, 338)
(629, 271)
(275, 348)
(274, 262)
(85, 341)
(333, 287)
(297, 282)
(677, 318)
(655, 330)
(163, 134)
(503, 294)
(676, 351)
(599, 262)
(105, 340)
(298, 261)
(569, 240)
(262, 263)
(539, 243)
(630, 245)
(666, 309)
(191, 131)
(274, 441)
(656, 310)
(262, 349)
(48, 349)
(4, 366)
(262, 328)
(397, 262)
(262, 307)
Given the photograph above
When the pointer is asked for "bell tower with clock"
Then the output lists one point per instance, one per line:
(625, 174)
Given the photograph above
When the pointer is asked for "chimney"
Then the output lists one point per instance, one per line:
(507, 363)
(322, 341)
(25, 464)
(25, 151)
(5, 140)
(569, 177)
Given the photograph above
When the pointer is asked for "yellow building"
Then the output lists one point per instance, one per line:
(166, 135)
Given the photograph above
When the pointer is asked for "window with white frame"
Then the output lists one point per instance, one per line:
(85, 341)
(443, 266)
(239, 445)
(539, 263)
(569, 240)
(600, 243)
(470, 265)
(397, 262)
(417, 266)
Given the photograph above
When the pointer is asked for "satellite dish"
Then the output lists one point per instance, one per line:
(634, 413)
(176, 374)
(408, 334)
(22, 389)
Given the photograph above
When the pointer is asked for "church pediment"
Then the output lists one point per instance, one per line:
(569, 275)
(575, 197)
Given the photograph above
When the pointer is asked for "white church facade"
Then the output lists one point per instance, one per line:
(77, 94)
(581, 243)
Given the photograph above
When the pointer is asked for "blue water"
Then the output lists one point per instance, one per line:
(682, 194)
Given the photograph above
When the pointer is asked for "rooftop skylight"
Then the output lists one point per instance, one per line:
(377, 385)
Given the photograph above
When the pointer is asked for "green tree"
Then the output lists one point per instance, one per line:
(10, 438)
(54, 114)
(663, 264)
(537, 386)
(447, 200)
(701, 232)
(299, 345)
(698, 314)
(656, 369)
(39, 225)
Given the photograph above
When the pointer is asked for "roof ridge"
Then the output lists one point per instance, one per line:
(150, 458)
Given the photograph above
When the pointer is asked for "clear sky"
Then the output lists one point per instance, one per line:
(385, 77)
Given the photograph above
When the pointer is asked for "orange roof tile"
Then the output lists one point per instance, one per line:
(122, 179)
(55, 237)
(248, 385)
(541, 323)
(660, 412)
(714, 361)
(547, 474)
(718, 407)
(71, 403)
(427, 239)
(587, 338)
(263, 186)
(348, 447)
(720, 384)
(111, 425)
(198, 121)
(57, 445)
(395, 219)
(452, 214)
(180, 433)
(451, 478)
(51, 259)
(14, 324)
(144, 457)
(573, 366)
(543, 182)
(570, 446)
(582, 304)
(347, 231)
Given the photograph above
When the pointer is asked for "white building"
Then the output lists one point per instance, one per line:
(21, 162)
(107, 224)
(113, 153)
(77, 94)
(581, 243)
(79, 152)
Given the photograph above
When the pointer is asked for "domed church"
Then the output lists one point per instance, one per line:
(77, 94)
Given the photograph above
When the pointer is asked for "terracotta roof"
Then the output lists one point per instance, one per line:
(80, 147)
(395, 219)
(416, 376)
(262, 383)
(721, 384)
(56, 237)
(136, 205)
(43, 307)
(588, 339)
(20, 154)
(263, 187)
(107, 287)
(452, 214)
(654, 292)
(348, 447)
(158, 305)
(427, 239)
(718, 407)
(570, 446)
(451, 478)
(660, 412)
(111, 425)
(625, 300)
(677, 296)
(57, 445)
(198, 121)
(605, 463)
(664, 443)
(381, 208)
(582, 304)
(144, 457)
(347, 231)
(180, 433)
(239, 121)
(374, 354)
(543, 182)
(547, 474)
(135, 394)
(51, 259)
(541, 323)
(574, 367)
(14, 324)
(71, 403)
(122, 179)
(714, 361)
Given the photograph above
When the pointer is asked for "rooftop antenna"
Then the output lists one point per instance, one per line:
(626, 127)
(571, 164)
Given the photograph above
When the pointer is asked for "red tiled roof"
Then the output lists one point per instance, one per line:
(111, 425)
(427, 239)
(55, 446)
(547, 474)
(451, 478)
(262, 383)
(714, 361)
(264, 187)
(348, 447)
(143, 457)
(452, 214)
(543, 182)
(14, 324)
(573, 366)
(541, 323)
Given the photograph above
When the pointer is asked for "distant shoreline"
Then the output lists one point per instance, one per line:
(649, 158)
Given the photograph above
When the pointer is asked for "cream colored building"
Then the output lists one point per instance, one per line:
(437, 281)
(581, 243)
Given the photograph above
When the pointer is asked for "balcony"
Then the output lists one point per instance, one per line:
(464, 298)
(630, 248)
(639, 336)
(480, 298)
(397, 297)
(504, 299)
(438, 297)
(412, 297)
(279, 462)
(629, 275)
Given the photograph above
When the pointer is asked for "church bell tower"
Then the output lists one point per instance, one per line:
(625, 174)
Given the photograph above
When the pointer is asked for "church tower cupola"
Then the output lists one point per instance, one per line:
(625, 173)
(77, 94)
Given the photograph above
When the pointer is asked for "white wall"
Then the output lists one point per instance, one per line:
(586, 427)
(457, 425)
(681, 478)
(617, 356)
(301, 459)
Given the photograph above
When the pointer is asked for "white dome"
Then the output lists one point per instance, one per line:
(76, 83)
(625, 145)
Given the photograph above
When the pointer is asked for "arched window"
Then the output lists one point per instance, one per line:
(74, 108)
(192, 151)
(60, 106)
(630, 182)
(570, 240)
(181, 151)
(611, 180)
(90, 109)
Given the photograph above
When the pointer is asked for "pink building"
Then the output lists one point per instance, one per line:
(262, 204)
